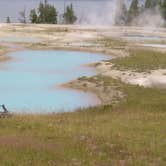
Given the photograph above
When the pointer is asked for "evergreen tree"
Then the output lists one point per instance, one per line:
(163, 9)
(41, 11)
(149, 4)
(69, 15)
(33, 16)
(8, 20)
(46, 14)
(133, 10)
(50, 14)
(121, 15)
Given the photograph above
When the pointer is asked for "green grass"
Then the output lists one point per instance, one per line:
(141, 61)
(130, 133)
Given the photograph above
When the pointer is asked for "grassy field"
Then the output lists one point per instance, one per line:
(130, 133)
(141, 60)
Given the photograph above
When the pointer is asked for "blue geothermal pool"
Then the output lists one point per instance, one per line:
(31, 81)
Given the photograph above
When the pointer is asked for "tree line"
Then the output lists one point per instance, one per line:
(47, 14)
(125, 16)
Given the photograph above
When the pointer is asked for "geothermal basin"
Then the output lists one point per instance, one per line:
(31, 81)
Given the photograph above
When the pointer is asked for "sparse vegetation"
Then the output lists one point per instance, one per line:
(112, 42)
(141, 60)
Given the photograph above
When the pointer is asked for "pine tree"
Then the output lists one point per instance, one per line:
(41, 17)
(50, 14)
(163, 9)
(47, 14)
(149, 4)
(69, 15)
(121, 16)
(133, 10)
(33, 16)
(8, 20)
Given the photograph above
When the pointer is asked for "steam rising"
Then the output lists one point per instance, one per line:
(149, 18)
(102, 15)
(108, 13)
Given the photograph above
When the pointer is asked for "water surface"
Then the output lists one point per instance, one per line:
(31, 80)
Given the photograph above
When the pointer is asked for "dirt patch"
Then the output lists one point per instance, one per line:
(107, 94)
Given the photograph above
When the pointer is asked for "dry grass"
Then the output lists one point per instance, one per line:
(129, 133)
